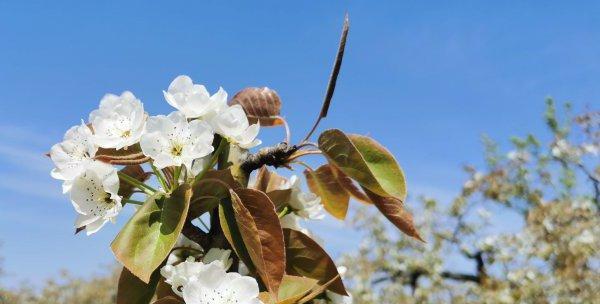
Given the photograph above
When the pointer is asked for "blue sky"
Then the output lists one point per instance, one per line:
(426, 80)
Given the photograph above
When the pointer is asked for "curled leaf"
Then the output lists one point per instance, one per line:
(260, 104)
(131, 155)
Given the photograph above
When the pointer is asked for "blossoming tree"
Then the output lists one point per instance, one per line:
(522, 230)
(246, 245)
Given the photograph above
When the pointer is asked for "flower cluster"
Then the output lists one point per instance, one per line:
(183, 139)
(207, 280)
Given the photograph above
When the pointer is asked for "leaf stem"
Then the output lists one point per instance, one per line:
(136, 183)
(213, 160)
(283, 212)
(134, 202)
(159, 176)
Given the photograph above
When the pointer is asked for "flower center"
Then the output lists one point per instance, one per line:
(176, 149)
(126, 134)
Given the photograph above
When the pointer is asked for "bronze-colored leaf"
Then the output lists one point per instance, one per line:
(307, 259)
(270, 183)
(131, 290)
(164, 290)
(210, 190)
(324, 183)
(393, 209)
(260, 104)
(262, 234)
(168, 300)
(131, 155)
(348, 184)
(227, 221)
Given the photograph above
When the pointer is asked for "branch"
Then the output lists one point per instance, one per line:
(337, 65)
(276, 156)
(411, 278)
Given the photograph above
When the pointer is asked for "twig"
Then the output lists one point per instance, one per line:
(333, 78)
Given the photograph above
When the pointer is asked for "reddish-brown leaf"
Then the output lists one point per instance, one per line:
(262, 235)
(324, 183)
(131, 290)
(394, 210)
(306, 258)
(210, 190)
(260, 104)
(270, 183)
(348, 184)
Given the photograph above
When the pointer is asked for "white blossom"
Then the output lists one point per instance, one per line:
(193, 100)
(172, 140)
(73, 154)
(304, 204)
(518, 156)
(232, 123)
(94, 195)
(119, 121)
(201, 283)
(220, 255)
(214, 285)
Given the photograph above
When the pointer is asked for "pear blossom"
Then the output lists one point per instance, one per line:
(173, 141)
(94, 195)
(73, 154)
(232, 123)
(201, 282)
(218, 254)
(214, 285)
(193, 100)
(304, 204)
(119, 121)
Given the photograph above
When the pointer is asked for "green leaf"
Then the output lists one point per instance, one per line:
(307, 259)
(366, 161)
(132, 290)
(325, 184)
(261, 232)
(293, 288)
(151, 233)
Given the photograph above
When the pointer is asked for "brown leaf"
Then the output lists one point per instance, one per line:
(348, 184)
(261, 232)
(168, 300)
(210, 190)
(307, 259)
(131, 155)
(270, 183)
(394, 210)
(260, 104)
(324, 183)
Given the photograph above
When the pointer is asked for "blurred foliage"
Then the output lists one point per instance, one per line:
(101, 289)
(524, 229)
